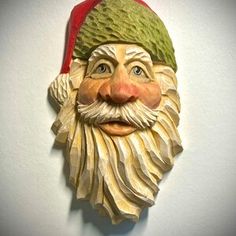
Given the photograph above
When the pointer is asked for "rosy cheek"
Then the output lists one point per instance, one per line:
(150, 94)
(88, 91)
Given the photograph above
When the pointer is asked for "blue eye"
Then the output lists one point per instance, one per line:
(137, 70)
(102, 68)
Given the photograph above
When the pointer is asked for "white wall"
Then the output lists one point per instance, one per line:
(197, 197)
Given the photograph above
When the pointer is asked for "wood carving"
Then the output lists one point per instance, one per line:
(119, 105)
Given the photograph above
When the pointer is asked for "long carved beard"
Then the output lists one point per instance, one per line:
(119, 175)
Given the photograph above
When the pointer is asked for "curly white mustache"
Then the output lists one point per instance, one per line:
(135, 114)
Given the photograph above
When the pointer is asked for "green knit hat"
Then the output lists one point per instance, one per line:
(125, 21)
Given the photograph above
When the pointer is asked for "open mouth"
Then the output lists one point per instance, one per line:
(117, 127)
(117, 122)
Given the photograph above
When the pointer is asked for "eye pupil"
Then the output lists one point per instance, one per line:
(137, 70)
(102, 68)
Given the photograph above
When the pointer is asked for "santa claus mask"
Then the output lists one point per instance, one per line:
(119, 105)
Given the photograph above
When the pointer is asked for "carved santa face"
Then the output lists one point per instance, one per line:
(119, 121)
(117, 75)
(119, 105)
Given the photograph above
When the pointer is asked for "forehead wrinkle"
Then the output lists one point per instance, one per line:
(137, 53)
(103, 50)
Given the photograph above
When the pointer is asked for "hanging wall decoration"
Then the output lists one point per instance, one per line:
(119, 105)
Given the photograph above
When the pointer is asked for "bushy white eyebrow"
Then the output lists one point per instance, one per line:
(137, 53)
(102, 50)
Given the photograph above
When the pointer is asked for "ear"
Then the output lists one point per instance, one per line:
(170, 102)
(166, 71)
(77, 73)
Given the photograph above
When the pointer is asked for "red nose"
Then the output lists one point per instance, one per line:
(119, 89)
